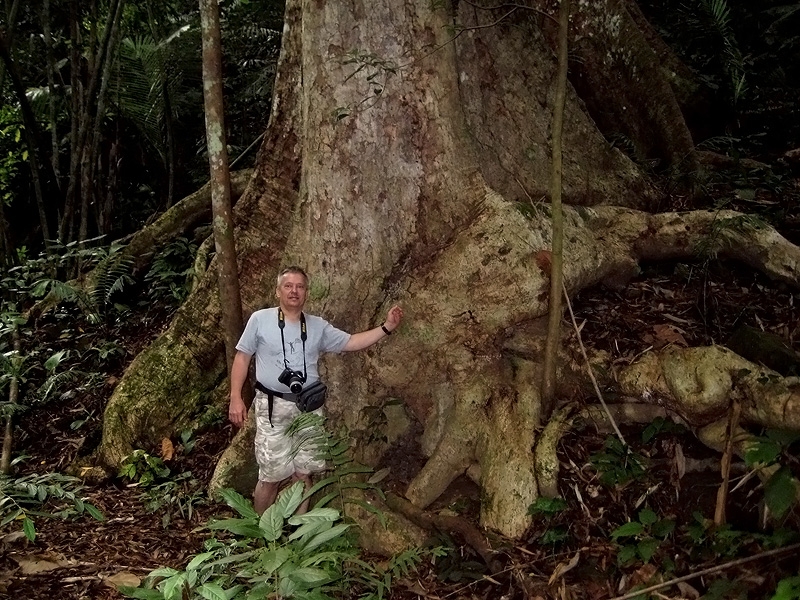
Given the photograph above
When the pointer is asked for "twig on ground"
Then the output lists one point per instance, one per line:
(708, 571)
(589, 369)
(725, 465)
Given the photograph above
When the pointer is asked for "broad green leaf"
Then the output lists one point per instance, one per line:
(273, 560)
(163, 572)
(627, 554)
(11, 516)
(51, 363)
(308, 530)
(647, 517)
(287, 587)
(239, 503)
(234, 592)
(627, 530)
(321, 484)
(315, 514)
(94, 512)
(29, 529)
(289, 500)
(233, 558)
(198, 560)
(788, 589)
(663, 528)
(310, 576)
(325, 536)
(779, 492)
(212, 591)
(547, 506)
(173, 587)
(140, 593)
(763, 452)
(244, 527)
(271, 523)
(191, 579)
(647, 548)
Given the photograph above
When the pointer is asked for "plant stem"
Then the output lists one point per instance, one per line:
(557, 270)
(13, 394)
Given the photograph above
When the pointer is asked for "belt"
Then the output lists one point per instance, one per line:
(273, 394)
(285, 395)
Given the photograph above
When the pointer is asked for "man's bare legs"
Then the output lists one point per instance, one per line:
(267, 491)
(265, 494)
(306, 479)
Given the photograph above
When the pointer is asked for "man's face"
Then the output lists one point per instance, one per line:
(292, 291)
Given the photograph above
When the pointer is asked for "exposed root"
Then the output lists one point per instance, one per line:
(448, 524)
(698, 384)
(545, 455)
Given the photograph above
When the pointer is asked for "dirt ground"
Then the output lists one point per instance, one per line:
(569, 554)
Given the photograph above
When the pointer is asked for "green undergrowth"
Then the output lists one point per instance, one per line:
(26, 498)
(283, 554)
(633, 507)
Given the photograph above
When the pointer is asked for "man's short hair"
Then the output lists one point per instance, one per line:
(292, 269)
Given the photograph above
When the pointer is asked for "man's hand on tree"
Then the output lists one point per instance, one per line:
(393, 318)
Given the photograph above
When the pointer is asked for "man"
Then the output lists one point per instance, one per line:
(284, 338)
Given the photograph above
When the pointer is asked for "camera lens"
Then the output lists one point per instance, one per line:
(296, 386)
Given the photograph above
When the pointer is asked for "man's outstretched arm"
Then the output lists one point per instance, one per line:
(365, 339)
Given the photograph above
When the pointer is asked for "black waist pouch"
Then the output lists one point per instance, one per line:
(312, 397)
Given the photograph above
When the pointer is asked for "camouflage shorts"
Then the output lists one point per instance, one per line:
(278, 455)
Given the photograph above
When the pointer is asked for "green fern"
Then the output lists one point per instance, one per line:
(25, 497)
(112, 274)
(711, 19)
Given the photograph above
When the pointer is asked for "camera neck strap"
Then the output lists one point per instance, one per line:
(303, 337)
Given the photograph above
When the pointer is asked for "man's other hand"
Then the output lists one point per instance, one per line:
(237, 412)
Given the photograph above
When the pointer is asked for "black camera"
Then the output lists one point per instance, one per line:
(294, 380)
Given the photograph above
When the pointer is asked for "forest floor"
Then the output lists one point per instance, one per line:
(570, 551)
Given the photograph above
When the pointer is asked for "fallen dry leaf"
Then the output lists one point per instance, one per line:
(665, 334)
(688, 591)
(643, 575)
(167, 449)
(12, 537)
(40, 563)
(564, 567)
(122, 578)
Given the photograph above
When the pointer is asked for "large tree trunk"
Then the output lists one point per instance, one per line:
(402, 166)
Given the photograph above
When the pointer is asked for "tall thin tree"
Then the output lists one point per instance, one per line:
(556, 268)
(227, 270)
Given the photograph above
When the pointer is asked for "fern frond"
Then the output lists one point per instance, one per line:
(112, 274)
